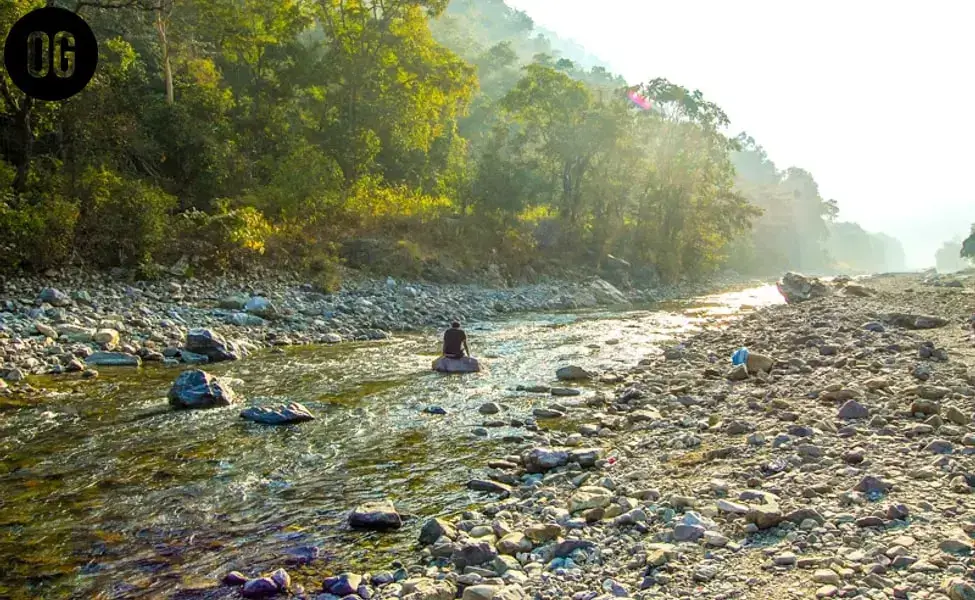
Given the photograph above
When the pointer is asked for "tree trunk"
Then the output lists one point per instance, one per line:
(166, 64)
(26, 145)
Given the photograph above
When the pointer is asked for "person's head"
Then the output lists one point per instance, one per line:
(455, 325)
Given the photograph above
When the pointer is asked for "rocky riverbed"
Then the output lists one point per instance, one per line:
(843, 470)
(78, 321)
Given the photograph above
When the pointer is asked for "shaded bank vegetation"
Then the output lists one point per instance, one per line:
(408, 137)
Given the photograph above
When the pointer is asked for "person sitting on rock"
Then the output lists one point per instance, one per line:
(455, 342)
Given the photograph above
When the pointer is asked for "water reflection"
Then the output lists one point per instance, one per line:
(105, 489)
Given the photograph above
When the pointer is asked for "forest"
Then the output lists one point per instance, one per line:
(956, 254)
(416, 138)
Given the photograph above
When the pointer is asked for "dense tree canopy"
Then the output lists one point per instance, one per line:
(219, 133)
(968, 246)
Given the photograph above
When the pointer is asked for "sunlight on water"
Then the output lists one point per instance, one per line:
(106, 489)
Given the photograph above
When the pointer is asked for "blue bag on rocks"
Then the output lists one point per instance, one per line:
(739, 356)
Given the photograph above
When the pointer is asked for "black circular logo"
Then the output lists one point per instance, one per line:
(50, 54)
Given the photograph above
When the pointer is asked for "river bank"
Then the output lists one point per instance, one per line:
(110, 491)
(845, 470)
(53, 325)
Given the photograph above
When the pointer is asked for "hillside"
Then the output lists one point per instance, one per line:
(421, 142)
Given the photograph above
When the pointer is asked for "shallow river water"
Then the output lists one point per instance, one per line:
(106, 493)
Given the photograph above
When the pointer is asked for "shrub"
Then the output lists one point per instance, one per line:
(304, 185)
(123, 222)
(39, 236)
(326, 273)
(308, 248)
(382, 256)
(968, 246)
(370, 205)
(231, 238)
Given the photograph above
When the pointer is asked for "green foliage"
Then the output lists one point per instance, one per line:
(654, 188)
(122, 222)
(230, 238)
(326, 275)
(305, 182)
(427, 138)
(968, 246)
(37, 236)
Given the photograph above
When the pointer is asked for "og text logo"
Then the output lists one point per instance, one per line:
(50, 54)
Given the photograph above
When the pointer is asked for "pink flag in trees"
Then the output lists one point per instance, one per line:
(639, 100)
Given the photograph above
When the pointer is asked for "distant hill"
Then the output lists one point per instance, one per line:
(572, 50)
(472, 28)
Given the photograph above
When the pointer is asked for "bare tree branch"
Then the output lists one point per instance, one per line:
(140, 4)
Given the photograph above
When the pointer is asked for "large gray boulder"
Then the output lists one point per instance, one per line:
(540, 460)
(236, 302)
(54, 297)
(262, 587)
(76, 333)
(434, 529)
(262, 307)
(343, 584)
(607, 293)
(211, 344)
(799, 288)
(422, 588)
(756, 363)
(573, 373)
(378, 516)
(467, 364)
(473, 553)
(278, 415)
(246, 320)
(198, 389)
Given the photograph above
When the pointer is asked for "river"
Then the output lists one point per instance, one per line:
(106, 493)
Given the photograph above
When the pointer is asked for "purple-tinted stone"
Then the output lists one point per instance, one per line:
(260, 588)
(343, 584)
(688, 533)
(235, 578)
(281, 579)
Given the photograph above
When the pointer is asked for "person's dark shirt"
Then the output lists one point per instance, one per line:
(453, 340)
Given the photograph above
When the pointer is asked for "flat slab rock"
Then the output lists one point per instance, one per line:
(468, 364)
(799, 288)
(377, 516)
(912, 321)
(573, 373)
(283, 414)
(113, 359)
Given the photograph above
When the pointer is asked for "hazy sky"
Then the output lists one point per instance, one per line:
(874, 98)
